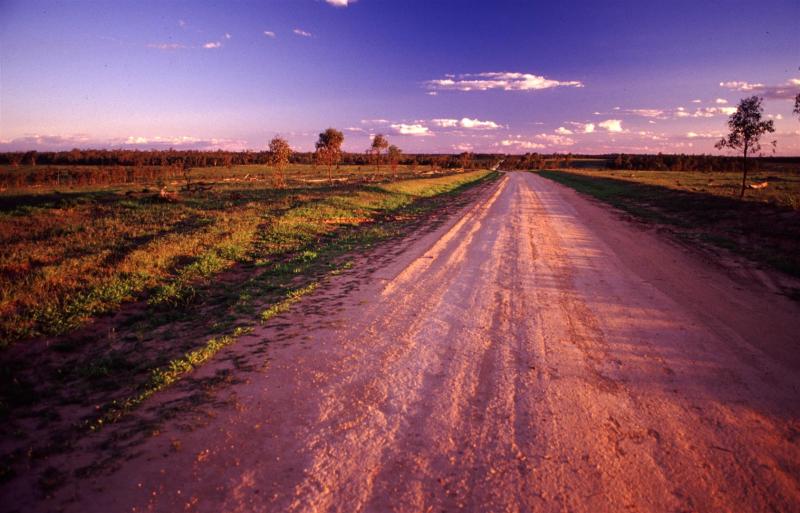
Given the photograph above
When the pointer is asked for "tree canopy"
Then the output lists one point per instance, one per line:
(379, 143)
(745, 130)
(279, 152)
(329, 149)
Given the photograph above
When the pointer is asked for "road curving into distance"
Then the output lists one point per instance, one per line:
(534, 353)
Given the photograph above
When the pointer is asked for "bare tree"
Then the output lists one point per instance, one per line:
(279, 153)
(746, 128)
(797, 105)
(379, 143)
(394, 153)
(329, 149)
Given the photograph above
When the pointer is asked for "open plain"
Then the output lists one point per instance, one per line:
(533, 353)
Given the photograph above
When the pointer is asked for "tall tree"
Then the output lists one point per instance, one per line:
(279, 153)
(329, 149)
(394, 153)
(746, 128)
(379, 143)
(797, 105)
(465, 159)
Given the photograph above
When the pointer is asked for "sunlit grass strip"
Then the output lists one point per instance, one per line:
(163, 377)
(291, 298)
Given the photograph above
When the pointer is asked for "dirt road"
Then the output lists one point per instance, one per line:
(535, 353)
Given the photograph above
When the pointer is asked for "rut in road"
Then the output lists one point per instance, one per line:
(535, 354)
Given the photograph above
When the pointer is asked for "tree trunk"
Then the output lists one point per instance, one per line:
(330, 174)
(744, 173)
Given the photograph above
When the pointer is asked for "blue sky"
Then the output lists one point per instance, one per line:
(435, 76)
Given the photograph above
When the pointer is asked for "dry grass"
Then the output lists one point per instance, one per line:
(783, 189)
(70, 254)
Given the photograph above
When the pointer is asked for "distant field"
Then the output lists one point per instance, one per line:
(69, 253)
(704, 208)
(783, 188)
(78, 176)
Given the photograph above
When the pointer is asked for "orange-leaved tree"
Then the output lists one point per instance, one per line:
(279, 153)
(329, 149)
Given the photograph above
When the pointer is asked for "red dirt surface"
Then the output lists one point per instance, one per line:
(534, 353)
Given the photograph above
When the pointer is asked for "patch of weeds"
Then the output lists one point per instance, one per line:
(104, 366)
(162, 377)
(291, 298)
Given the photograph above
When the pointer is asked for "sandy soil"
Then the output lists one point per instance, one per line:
(534, 353)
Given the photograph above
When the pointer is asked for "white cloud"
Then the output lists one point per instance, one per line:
(707, 112)
(301, 33)
(467, 123)
(647, 113)
(704, 135)
(463, 147)
(720, 101)
(66, 142)
(737, 85)
(432, 93)
(414, 129)
(557, 140)
(166, 46)
(183, 142)
(786, 91)
(374, 121)
(563, 131)
(227, 36)
(697, 100)
(612, 125)
(520, 144)
(270, 33)
(651, 135)
(586, 128)
(775, 116)
(182, 23)
(506, 81)
(445, 123)
(212, 45)
(340, 3)
(476, 124)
